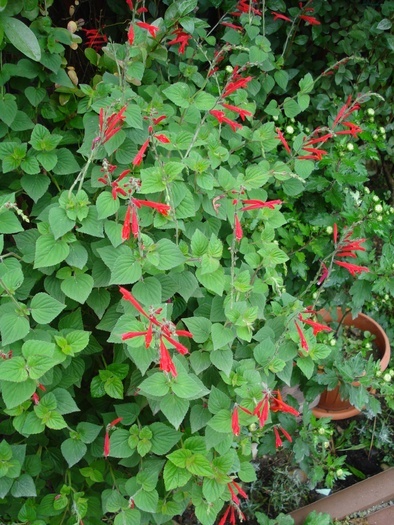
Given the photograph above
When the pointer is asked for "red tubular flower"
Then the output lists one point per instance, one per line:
(107, 445)
(221, 117)
(262, 410)
(130, 4)
(235, 422)
(183, 333)
(178, 346)
(318, 153)
(130, 34)
(142, 10)
(127, 296)
(235, 85)
(237, 228)
(241, 112)
(149, 27)
(157, 120)
(182, 38)
(166, 363)
(126, 224)
(232, 26)
(35, 398)
(317, 327)
(335, 232)
(95, 39)
(311, 19)
(149, 335)
(223, 519)
(353, 130)
(318, 140)
(278, 440)
(279, 16)
(40, 386)
(164, 209)
(162, 138)
(254, 204)
(131, 335)
(141, 152)
(353, 269)
(278, 405)
(110, 126)
(286, 434)
(283, 140)
(115, 422)
(304, 343)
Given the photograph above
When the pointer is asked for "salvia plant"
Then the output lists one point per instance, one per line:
(157, 287)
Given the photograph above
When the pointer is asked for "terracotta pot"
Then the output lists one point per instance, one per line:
(330, 403)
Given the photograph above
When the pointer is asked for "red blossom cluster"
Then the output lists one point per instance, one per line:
(347, 248)
(158, 136)
(246, 6)
(306, 18)
(164, 330)
(250, 204)
(182, 38)
(131, 222)
(272, 401)
(317, 327)
(95, 39)
(109, 125)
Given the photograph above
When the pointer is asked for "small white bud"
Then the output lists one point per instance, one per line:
(339, 472)
(229, 69)
(275, 117)
(367, 190)
(375, 137)
(378, 208)
(329, 230)
(382, 130)
(350, 146)
(379, 218)
(378, 373)
(375, 198)
(290, 130)
(387, 377)
(333, 342)
(326, 444)
(322, 431)
(391, 372)
(371, 112)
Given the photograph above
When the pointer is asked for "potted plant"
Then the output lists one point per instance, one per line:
(351, 368)
(147, 318)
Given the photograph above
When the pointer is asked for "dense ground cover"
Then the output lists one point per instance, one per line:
(183, 186)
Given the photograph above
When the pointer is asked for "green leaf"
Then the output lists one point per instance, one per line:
(45, 308)
(24, 487)
(174, 408)
(174, 476)
(221, 422)
(291, 108)
(125, 271)
(127, 516)
(21, 37)
(281, 78)
(200, 327)
(98, 301)
(50, 251)
(73, 451)
(204, 101)
(179, 94)
(34, 185)
(146, 501)
(8, 109)
(155, 385)
(306, 365)
(59, 222)
(9, 223)
(39, 365)
(114, 387)
(164, 438)
(47, 159)
(16, 393)
(106, 205)
(148, 292)
(13, 369)
(221, 336)
(65, 401)
(213, 282)
(199, 465)
(184, 386)
(119, 444)
(78, 286)
(13, 327)
(35, 95)
(66, 162)
(88, 431)
(170, 255)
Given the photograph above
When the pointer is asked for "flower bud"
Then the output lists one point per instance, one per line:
(387, 377)
(382, 130)
(329, 230)
(339, 472)
(322, 431)
(378, 208)
(379, 218)
(375, 137)
(326, 444)
(253, 427)
(333, 341)
(229, 69)
(371, 112)
(375, 198)
(350, 146)
(290, 130)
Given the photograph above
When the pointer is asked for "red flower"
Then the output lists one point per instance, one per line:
(111, 125)
(126, 224)
(140, 155)
(324, 275)
(304, 343)
(254, 204)
(235, 422)
(237, 228)
(286, 434)
(95, 39)
(278, 440)
(162, 138)
(182, 38)
(149, 27)
(353, 130)
(135, 225)
(241, 112)
(221, 117)
(107, 444)
(317, 154)
(262, 410)
(164, 209)
(317, 327)
(278, 405)
(311, 19)
(279, 16)
(130, 34)
(233, 26)
(283, 140)
(178, 346)
(131, 299)
(142, 10)
(345, 111)
(353, 269)
(35, 398)
(223, 519)
(130, 335)
(130, 4)
(235, 85)
(166, 363)
(157, 120)
(318, 140)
